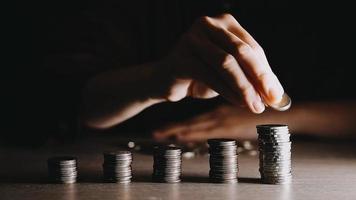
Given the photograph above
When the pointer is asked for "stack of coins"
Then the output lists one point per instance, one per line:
(117, 166)
(223, 161)
(167, 164)
(62, 169)
(275, 153)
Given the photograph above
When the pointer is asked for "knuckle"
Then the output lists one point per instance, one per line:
(258, 48)
(226, 61)
(263, 77)
(243, 50)
(246, 89)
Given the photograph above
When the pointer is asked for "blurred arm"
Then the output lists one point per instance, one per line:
(326, 119)
(323, 118)
(116, 95)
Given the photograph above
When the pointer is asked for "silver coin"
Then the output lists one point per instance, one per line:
(229, 181)
(275, 153)
(167, 163)
(223, 160)
(272, 126)
(277, 173)
(276, 176)
(117, 166)
(288, 143)
(221, 142)
(284, 104)
(62, 169)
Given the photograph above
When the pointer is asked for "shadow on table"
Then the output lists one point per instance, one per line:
(142, 178)
(249, 180)
(147, 178)
(205, 179)
(184, 179)
(24, 179)
(97, 178)
(33, 178)
(195, 179)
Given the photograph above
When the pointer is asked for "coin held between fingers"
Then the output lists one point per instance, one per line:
(282, 105)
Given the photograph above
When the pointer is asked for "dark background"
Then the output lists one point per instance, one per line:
(55, 47)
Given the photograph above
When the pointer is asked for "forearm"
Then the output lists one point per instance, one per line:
(317, 118)
(114, 96)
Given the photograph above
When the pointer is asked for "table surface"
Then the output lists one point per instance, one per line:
(321, 170)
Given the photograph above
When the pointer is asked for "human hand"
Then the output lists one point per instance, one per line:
(223, 122)
(218, 56)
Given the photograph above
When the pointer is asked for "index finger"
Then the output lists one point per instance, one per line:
(251, 60)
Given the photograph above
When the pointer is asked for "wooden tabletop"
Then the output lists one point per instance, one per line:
(321, 170)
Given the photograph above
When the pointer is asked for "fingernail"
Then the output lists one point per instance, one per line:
(275, 95)
(258, 106)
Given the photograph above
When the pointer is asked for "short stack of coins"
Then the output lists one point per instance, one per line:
(62, 169)
(167, 164)
(275, 153)
(223, 161)
(117, 166)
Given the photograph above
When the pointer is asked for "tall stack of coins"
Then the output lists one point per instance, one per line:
(62, 169)
(167, 164)
(117, 166)
(223, 160)
(275, 153)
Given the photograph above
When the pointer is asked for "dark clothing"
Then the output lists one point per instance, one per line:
(309, 46)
